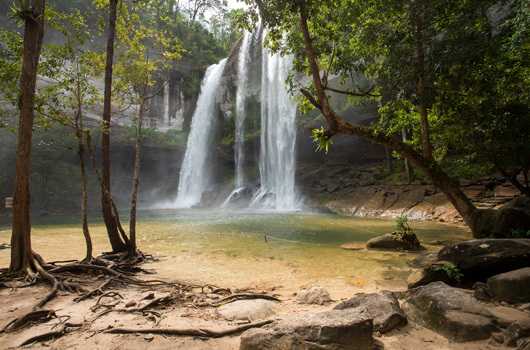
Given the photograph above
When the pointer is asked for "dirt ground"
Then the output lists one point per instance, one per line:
(90, 321)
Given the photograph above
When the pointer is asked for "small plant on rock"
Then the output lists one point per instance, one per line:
(405, 233)
(452, 271)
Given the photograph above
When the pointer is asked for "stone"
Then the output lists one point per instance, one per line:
(430, 274)
(335, 329)
(313, 295)
(250, 310)
(497, 223)
(389, 241)
(449, 312)
(512, 287)
(382, 307)
(498, 337)
(505, 316)
(484, 258)
(423, 260)
(481, 292)
(516, 331)
(524, 345)
(353, 245)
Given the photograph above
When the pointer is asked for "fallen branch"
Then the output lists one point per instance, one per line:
(189, 332)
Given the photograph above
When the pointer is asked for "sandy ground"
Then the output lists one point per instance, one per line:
(16, 302)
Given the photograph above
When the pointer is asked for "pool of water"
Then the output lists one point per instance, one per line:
(248, 249)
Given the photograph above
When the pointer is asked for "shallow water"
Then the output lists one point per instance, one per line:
(248, 249)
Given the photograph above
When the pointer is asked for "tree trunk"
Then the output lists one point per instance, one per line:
(425, 135)
(116, 242)
(339, 126)
(389, 166)
(136, 176)
(21, 255)
(405, 160)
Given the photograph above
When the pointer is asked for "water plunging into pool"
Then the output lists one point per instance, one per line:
(276, 189)
(195, 175)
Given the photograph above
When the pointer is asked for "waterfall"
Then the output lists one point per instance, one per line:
(242, 78)
(195, 174)
(167, 118)
(278, 135)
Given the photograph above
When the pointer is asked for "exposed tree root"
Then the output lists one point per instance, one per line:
(189, 332)
(38, 315)
(235, 297)
(49, 335)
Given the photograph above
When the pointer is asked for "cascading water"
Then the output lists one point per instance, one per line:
(242, 78)
(195, 178)
(278, 136)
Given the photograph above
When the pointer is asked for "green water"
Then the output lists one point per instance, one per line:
(255, 249)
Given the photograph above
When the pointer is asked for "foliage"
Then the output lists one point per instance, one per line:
(320, 137)
(170, 138)
(451, 69)
(452, 271)
(405, 233)
(519, 233)
(513, 233)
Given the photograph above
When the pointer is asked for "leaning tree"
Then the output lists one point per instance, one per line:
(406, 49)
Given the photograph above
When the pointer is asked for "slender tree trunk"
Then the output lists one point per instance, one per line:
(136, 176)
(425, 135)
(84, 203)
(389, 166)
(405, 160)
(116, 242)
(21, 255)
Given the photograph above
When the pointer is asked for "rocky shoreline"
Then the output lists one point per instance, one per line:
(365, 192)
(498, 308)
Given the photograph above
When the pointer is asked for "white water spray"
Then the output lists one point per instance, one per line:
(195, 177)
(278, 136)
(242, 79)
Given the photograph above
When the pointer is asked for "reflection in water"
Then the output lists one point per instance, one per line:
(248, 249)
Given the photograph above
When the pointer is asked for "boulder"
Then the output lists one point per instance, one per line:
(506, 316)
(424, 260)
(517, 331)
(483, 258)
(313, 295)
(390, 241)
(429, 274)
(449, 312)
(251, 310)
(382, 307)
(512, 287)
(498, 223)
(335, 329)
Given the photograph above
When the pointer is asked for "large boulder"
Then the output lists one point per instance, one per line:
(449, 312)
(483, 258)
(336, 329)
(382, 307)
(512, 287)
(390, 241)
(313, 295)
(498, 223)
